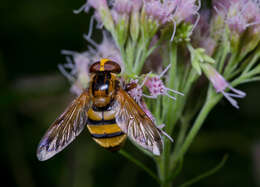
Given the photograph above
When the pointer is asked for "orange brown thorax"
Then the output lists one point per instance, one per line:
(103, 88)
(104, 82)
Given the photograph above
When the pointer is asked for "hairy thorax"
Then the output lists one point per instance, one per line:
(103, 89)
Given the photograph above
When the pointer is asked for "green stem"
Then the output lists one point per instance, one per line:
(252, 62)
(134, 47)
(209, 104)
(142, 55)
(158, 109)
(218, 55)
(166, 184)
(128, 66)
(140, 50)
(148, 31)
(223, 56)
(170, 105)
(232, 65)
(183, 129)
(176, 171)
(168, 114)
(140, 164)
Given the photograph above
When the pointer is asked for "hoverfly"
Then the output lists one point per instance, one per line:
(109, 113)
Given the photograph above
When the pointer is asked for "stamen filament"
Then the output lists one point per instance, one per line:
(65, 73)
(174, 30)
(164, 71)
(174, 91)
(88, 36)
(174, 98)
(232, 101)
(196, 22)
(80, 9)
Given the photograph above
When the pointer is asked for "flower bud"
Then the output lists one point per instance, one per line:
(220, 85)
(156, 86)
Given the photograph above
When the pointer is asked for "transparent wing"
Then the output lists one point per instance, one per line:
(136, 124)
(65, 128)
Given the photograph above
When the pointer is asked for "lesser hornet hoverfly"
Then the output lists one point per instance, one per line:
(109, 113)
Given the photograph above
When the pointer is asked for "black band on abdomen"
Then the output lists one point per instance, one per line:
(101, 122)
(107, 135)
(102, 109)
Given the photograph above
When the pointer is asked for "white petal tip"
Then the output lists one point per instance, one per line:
(161, 126)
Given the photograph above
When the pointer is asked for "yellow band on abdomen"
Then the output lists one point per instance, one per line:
(111, 142)
(103, 129)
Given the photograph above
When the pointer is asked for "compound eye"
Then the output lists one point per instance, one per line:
(94, 68)
(112, 67)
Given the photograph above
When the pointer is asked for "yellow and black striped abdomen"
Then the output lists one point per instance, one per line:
(104, 130)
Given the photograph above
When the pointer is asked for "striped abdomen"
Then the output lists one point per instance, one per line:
(104, 130)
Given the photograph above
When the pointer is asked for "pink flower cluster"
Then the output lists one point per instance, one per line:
(155, 86)
(137, 92)
(161, 11)
(239, 14)
(170, 10)
(126, 6)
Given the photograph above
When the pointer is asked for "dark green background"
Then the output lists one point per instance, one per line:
(33, 93)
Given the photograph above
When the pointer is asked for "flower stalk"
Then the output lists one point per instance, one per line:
(210, 102)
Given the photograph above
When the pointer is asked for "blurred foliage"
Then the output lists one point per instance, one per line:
(33, 93)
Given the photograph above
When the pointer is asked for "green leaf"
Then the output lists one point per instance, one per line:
(199, 57)
(251, 80)
(195, 64)
(208, 59)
